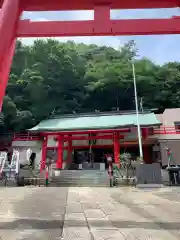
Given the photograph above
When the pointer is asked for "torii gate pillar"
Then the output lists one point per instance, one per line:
(9, 17)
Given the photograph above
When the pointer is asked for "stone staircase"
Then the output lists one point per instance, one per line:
(84, 178)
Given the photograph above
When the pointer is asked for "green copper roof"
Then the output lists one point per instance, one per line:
(96, 121)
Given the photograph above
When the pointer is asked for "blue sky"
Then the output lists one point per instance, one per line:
(159, 49)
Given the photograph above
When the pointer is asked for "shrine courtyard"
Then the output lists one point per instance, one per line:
(89, 213)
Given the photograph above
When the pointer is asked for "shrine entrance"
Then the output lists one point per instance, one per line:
(93, 158)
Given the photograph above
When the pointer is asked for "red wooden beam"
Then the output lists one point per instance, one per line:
(87, 137)
(56, 5)
(93, 146)
(82, 147)
(96, 146)
(85, 132)
(88, 28)
(90, 137)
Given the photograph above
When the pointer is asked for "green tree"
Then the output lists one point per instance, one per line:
(50, 77)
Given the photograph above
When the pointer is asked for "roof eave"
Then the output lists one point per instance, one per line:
(79, 129)
(84, 129)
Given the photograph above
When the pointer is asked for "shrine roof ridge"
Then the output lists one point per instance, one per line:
(96, 114)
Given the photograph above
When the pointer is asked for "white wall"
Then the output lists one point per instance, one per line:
(51, 142)
(23, 154)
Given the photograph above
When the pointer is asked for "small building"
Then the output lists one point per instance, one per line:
(78, 138)
(168, 135)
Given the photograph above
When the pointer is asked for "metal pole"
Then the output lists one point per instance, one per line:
(137, 112)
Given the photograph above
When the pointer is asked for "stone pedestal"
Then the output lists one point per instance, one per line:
(148, 175)
(165, 176)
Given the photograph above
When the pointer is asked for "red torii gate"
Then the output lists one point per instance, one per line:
(11, 27)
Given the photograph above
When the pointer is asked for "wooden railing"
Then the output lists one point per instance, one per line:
(26, 137)
(34, 136)
(166, 130)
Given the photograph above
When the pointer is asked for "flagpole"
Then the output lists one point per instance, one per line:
(137, 112)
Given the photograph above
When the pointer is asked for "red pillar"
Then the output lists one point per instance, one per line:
(4, 72)
(145, 133)
(116, 149)
(147, 154)
(59, 162)
(102, 18)
(9, 17)
(44, 153)
(69, 153)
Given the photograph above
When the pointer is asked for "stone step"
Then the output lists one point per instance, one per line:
(88, 178)
(78, 179)
(77, 185)
(31, 181)
(80, 183)
(82, 171)
(81, 178)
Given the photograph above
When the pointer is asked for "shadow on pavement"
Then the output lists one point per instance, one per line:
(56, 224)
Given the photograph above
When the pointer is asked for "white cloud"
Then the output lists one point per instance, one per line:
(100, 41)
(41, 20)
(144, 13)
(73, 15)
(59, 15)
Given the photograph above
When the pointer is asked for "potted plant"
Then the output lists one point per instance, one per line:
(125, 159)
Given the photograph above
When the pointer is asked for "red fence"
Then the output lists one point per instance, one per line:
(166, 130)
(26, 137)
(35, 136)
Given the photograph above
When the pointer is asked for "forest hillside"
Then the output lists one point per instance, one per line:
(50, 78)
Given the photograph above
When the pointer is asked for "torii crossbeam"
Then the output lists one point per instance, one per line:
(12, 27)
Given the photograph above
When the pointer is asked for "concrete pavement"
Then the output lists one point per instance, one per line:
(89, 213)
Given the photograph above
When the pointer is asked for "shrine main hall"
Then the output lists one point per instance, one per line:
(70, 140)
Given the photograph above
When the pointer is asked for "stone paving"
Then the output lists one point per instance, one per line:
(89, 213)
